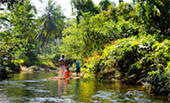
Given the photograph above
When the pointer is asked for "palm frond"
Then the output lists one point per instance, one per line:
(52, 21)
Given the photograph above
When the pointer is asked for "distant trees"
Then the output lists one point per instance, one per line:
(82, 6)
(104, 4)
(11, 3)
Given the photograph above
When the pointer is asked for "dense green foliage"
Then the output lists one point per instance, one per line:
(129, 42)
(104, 4)
(82, 6)
(138, 60)
(11, 3)
(19, 41)
(88, 35)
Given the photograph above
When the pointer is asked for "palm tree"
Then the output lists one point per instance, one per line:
(52, 23)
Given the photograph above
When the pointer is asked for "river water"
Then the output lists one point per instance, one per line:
(35, 88)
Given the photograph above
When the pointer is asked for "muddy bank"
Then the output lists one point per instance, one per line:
(37, 68)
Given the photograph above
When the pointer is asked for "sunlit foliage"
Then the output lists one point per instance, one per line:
(83, 6)
(125, 42)
(17, 38)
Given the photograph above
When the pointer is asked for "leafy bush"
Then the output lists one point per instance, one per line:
(93, 33)
(10, 48)
(138, 60)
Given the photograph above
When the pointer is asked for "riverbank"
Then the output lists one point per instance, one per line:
(37, 68)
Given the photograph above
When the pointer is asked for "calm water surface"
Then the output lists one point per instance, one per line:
(35, 88)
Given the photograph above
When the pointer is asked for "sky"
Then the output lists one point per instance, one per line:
(66, 6)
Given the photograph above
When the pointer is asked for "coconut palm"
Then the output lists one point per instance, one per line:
(52, 23)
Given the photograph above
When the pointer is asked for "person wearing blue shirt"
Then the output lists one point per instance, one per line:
(77, 67)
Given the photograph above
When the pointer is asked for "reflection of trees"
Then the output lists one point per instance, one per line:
(66, 83)
(84, 89)
(77, 89)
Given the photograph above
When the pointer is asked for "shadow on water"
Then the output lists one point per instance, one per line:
(34, 88)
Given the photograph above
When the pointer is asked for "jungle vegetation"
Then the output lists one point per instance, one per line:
(127, 42)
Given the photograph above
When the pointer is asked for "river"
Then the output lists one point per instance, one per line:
(35, 88)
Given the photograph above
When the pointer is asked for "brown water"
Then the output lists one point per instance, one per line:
(35, 88)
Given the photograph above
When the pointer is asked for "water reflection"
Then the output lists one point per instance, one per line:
(37, 89)
(77, 87)
(62, 87)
